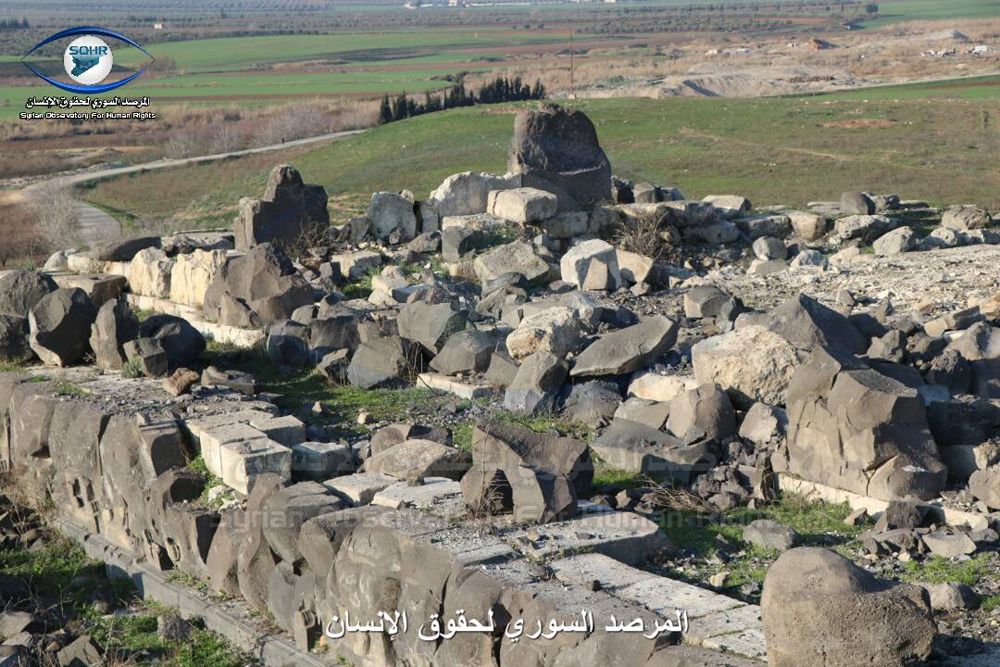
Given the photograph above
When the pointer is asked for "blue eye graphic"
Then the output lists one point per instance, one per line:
(88, 60)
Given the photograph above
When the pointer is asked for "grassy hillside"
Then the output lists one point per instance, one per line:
(773, 150)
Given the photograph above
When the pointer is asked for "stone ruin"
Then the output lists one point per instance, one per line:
(761, 352)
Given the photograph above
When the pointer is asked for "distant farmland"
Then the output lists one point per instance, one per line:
(279, 69)
(773, 150)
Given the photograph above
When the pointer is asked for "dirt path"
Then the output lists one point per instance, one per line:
(97, 226)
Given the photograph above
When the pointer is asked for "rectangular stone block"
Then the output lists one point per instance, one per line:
(287, 430)
(361, 487)
(212, 442)
(433, 491)
(241, 462)
(624, 536)
(322, 460)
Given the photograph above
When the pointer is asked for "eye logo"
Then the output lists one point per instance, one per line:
(87, 60)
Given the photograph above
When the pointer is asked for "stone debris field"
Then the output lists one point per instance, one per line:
(570, 361)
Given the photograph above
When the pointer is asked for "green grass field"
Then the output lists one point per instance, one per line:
(893, 11)
(240, 70)
(786, 151)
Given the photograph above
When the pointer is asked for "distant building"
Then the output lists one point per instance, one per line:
(157, 26)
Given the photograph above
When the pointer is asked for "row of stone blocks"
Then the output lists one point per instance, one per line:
(115, 471)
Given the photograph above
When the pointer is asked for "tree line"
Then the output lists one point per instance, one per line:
(500, 89)
(13, 24)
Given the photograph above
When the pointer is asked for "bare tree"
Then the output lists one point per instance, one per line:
(227, 138)
(55, 210)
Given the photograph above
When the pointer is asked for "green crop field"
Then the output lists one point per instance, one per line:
(786, 151)
(970, 88)
(241, 53)
(241, 70)
(891, 11)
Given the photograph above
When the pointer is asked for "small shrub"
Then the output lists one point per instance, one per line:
(133, 369)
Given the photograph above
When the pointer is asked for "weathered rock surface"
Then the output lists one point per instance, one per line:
(627, 350)
(557, 150)
(59, 326)
(808, 594)
(256, 289)
(290, 212)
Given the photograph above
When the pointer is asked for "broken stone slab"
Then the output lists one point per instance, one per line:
(191, 275)
(805, 323)
(728, 205)
(627, 350)
(150, 273)
(856, 203)
(757, 226)
(256, 289)
(101, 287)
(115, 325)
(425, 496)
(625, 536)
(864, 227)
(895, 242)
(522, 205)
(354, 265)
(509, 446)
(867, 433)
(763, 424)
(417, 458)
(516, 257)
(949, 545)
(636, 447)
(360, 488)
(465, 390)
(591, 265)
(653, 414)
(965, 218)
(808, 226)
(320, 461)
(239, 381)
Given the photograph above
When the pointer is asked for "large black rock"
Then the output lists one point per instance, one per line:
(556, 150)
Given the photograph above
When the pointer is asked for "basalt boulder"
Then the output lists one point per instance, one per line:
(256, 289)
(557, 150)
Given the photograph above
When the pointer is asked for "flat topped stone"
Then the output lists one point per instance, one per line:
(624, 536)
(431, 493)
(466, 390)
(360, 488)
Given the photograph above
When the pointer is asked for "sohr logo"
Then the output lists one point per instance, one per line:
(88, 60)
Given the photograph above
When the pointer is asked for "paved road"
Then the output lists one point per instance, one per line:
(97, 226)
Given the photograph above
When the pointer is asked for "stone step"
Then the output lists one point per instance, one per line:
(623, 536)
(715, 621)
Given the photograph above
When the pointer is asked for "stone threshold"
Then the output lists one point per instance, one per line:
(816, 491)
(716, 622)
(222, 333)
(229, 618)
